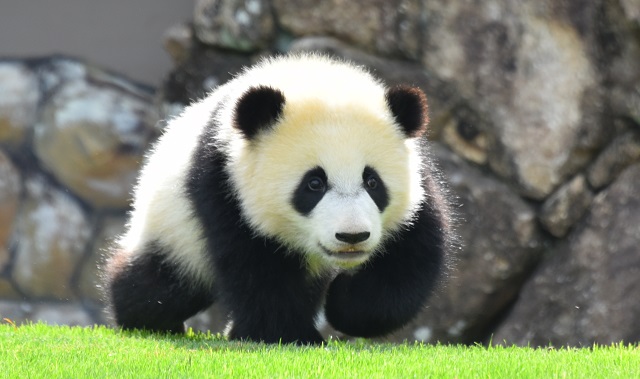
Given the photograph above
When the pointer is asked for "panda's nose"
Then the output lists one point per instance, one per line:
(353, 238)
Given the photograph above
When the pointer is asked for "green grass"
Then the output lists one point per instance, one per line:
(40, 351)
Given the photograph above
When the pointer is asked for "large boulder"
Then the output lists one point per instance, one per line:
(586, 291)
(93, 131)
(51, 236)
(529, 69)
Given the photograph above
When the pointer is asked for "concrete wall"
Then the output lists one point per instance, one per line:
(124, 36)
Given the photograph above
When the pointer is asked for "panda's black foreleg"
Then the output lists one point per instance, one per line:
(145, 291)
(269, 294)
(393, 287)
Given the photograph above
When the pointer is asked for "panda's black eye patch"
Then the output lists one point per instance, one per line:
(375, 187)
(310, 191)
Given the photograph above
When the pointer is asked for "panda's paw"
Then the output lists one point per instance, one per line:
(301, 338)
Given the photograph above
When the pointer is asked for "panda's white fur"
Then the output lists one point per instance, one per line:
(342, 109)
(160, 210)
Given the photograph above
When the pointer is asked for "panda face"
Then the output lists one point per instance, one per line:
(323, 157)
(330, 181)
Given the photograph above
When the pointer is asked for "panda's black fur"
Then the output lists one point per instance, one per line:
(269, 288)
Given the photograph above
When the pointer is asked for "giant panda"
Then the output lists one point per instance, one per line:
(303, 184)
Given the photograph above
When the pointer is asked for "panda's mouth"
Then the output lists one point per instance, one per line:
(350, 253)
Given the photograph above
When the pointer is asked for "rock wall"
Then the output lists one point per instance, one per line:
(71, 140)
(535, 109)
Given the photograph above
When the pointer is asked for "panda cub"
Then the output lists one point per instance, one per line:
(301, 184)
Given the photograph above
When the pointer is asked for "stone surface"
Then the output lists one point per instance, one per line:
(243, 25)
(16, 311)
(51, 236)
(205, 69)
(10, 191)
(586, 291)
(7, 291)
(621, 64)
(501, 244)
(390, 27)
(72, 314)
(631, 10)
(53, 313)
(566, 206)
(178, 41)
(92, 134)
(623, 151)
(19, 96)
(531, 74)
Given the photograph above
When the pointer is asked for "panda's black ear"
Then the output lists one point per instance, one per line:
(258, 108)
(409, 108)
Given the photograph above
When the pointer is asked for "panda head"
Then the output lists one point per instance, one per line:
(329, 165)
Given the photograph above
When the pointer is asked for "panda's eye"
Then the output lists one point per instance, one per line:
(372, 183)
(316, 184)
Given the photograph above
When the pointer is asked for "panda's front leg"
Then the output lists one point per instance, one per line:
(145, 290)
(269, 295)
(392, 287)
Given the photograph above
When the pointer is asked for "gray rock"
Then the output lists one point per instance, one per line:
(57, 313)
(243, 25)
(566, 206)
(623, 151)
(204, 69)
(7, 291)
(72, 314)
(10, 191)
(389, 27)
(586, 291)
(19, 96)
(501, 244)
(51, 236)
(178, 41)
(93, 131)
(621, 63)
(16, 311)
(530, 72)
(631, 10)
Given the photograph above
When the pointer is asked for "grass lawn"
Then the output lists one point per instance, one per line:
(40, 351)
